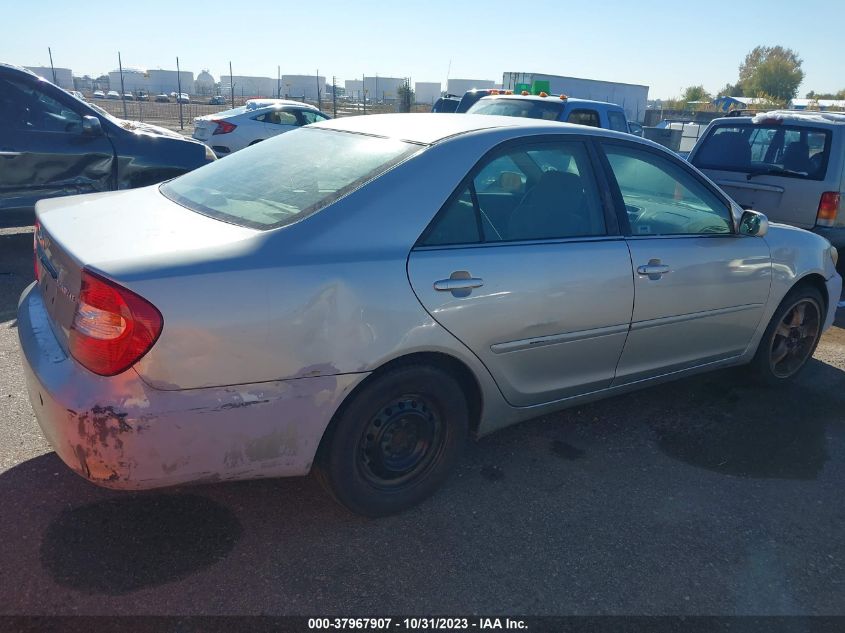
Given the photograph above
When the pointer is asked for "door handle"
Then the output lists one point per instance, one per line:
(654, 269)
(467, 283)
(9, 154)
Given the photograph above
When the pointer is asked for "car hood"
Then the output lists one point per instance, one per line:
(147, 128)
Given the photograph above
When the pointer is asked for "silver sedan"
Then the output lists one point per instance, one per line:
(360, 296)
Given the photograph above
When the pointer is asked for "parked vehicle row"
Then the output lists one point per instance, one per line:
(360, 296)
(537, 106)
(789, 165)
(259, 119)
(53, 144)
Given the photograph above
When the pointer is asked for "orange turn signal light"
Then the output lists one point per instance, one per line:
(828, 208)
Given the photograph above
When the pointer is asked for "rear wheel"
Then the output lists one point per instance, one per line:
(791, 337)
(396, 442)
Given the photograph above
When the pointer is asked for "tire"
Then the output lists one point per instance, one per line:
(396, 442)
(791, 336)
(256, 142)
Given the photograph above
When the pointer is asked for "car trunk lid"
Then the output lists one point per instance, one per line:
(112, 233)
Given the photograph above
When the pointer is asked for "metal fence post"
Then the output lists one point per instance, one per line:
(179, 94)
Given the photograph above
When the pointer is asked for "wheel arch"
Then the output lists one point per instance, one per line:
(817, 281)
(441, 361)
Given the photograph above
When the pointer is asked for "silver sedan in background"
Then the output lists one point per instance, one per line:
(360, 296)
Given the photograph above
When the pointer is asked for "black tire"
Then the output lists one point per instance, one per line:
(791, 332)
(256, 142)
(396, 442)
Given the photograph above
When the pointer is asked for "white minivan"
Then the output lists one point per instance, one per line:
(787, 164)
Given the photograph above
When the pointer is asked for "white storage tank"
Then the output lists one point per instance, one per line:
(460, 86)
(167, 81)
(426, 92)
(303, 86)
(64, 76)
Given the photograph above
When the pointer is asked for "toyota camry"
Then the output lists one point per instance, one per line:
(360, 296)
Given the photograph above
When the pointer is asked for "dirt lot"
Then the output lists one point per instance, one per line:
(705, 496)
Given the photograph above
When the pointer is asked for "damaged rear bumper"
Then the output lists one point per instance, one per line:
(119, 432)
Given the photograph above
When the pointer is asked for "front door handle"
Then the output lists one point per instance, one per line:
(654, 269)
(458, 284)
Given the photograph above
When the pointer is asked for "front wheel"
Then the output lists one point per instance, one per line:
(791, 337)
(395, 442)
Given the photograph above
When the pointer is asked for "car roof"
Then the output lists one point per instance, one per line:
(554, 98)
(788, 116)
(430, 128)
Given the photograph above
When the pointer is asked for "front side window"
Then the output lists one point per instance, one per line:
(526, 108)
(617, 121)
(535, 192)
(25, 107)
(767, 149)
(584, 117)
(662, 198)
(281, 117)
(309, 117)
(287, 178)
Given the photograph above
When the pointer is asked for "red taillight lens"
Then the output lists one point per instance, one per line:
(223, 127)
(112, 327)
(828, 208)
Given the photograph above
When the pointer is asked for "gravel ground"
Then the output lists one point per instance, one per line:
(702, 496)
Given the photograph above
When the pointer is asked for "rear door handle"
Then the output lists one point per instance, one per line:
(654, 269)
(469, 283)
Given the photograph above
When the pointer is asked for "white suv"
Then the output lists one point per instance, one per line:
(787, 164)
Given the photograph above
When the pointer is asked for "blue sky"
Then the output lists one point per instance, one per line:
(664, 45)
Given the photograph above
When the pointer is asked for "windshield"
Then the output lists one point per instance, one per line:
(766, 149)
(285, 179)
(528, 108)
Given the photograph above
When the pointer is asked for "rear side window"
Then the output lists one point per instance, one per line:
(536, 192)
(526, 108)
(584, 117)
(774, 149)
(286, 178)
(617, 121)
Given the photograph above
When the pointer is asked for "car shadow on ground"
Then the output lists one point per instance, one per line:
(16, 270)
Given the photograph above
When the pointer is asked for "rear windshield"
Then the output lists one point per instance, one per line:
(766, 149)
(528, 108)
(286, 178)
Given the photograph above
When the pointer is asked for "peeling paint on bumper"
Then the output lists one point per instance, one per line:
(119, 432)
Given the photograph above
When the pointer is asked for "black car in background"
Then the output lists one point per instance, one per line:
(447, 103)
(52, 144)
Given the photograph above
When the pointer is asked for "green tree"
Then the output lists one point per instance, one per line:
(731, 90)
(696, 93)
(406, 96)
(771, 70)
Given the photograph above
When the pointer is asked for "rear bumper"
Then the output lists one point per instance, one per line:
(833, 234)
(119, 432)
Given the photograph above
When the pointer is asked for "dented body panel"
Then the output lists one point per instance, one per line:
(119, 432)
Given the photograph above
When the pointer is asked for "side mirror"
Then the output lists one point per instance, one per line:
(753, 223)
(91, 126)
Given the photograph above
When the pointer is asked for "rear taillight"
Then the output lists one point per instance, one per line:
(112, 327)
(828, 208)
(223, 127)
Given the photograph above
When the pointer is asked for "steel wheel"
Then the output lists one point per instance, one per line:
(401, 442)
(795, 338)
